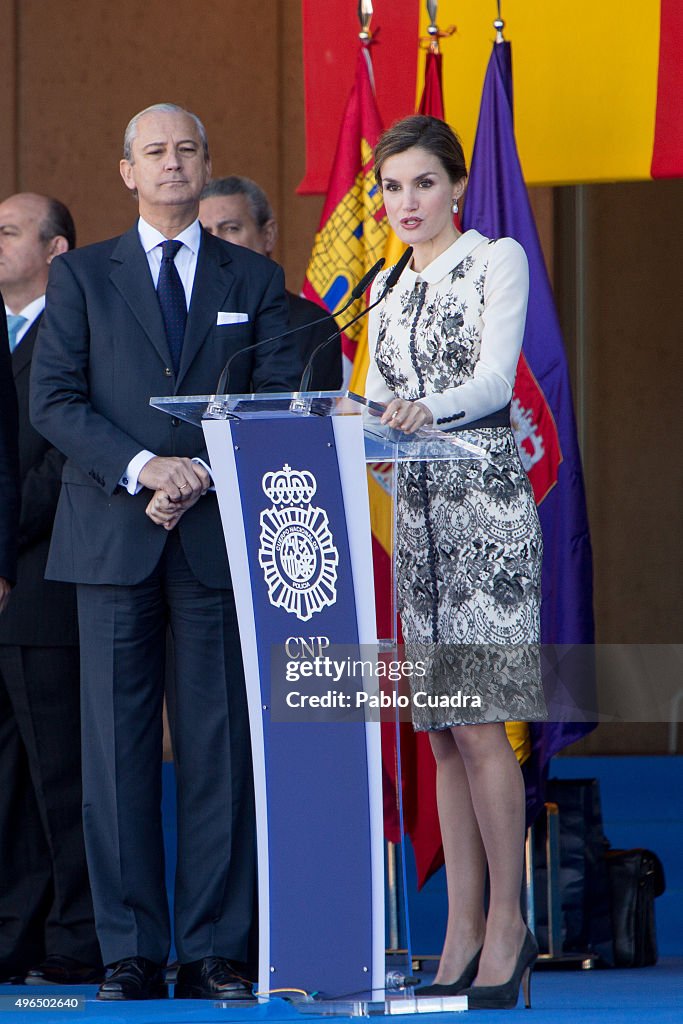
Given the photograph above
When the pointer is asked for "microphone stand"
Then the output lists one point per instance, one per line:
(303, 405)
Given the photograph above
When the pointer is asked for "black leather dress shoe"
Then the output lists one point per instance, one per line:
(63, 970)
(134, 978)
(214, 977)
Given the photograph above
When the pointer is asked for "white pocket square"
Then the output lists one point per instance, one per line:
(231, 318)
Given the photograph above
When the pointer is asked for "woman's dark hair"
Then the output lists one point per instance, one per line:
(429, 133)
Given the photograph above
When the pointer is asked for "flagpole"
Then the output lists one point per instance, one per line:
(433, 28)
(581, 317)
(434, 33)
(365, 13)
(499, 25)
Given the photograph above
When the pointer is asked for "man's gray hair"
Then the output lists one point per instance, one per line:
(160, 108)
(237, 185)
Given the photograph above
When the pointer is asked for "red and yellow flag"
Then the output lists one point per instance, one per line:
(353, 225)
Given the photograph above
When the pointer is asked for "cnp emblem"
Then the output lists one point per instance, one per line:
(297, 552)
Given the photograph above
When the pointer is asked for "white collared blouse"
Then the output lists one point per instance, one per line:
(451, 335)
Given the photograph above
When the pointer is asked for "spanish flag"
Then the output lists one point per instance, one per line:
(598, 86)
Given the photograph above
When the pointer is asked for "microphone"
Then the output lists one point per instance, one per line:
(364, 284)
(356, 292)
(396, 272)
(391, 282)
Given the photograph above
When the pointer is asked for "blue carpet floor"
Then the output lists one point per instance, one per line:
(652, 995)
(642, 804)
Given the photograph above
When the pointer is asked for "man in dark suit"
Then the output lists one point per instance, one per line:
(157, 311)
(48, 931)
(238, 210)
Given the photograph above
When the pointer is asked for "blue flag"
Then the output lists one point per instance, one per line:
(497, 205)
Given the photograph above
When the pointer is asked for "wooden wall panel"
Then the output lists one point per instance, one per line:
(8, 95)
(632, 374)
(90, 66)
(542, 201)
(85, 68)
(634, 428)
(299, 215)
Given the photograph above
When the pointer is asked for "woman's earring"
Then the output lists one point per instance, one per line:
(455, 206)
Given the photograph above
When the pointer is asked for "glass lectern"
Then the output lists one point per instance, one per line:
(289, 472)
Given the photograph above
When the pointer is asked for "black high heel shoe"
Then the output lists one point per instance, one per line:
(504, 997)
(456, 987)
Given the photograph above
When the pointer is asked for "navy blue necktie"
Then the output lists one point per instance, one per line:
(172, 300)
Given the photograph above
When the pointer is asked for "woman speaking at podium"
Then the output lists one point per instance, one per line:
(444, 348)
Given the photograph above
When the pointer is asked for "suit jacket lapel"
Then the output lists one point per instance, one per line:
(212, 283)
(130, 275)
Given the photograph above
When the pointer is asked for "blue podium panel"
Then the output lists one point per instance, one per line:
(297, 542)
(294, 511)
(317, 775)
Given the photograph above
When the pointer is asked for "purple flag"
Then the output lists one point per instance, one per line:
(497, 204)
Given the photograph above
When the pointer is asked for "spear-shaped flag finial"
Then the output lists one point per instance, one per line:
(365, 13)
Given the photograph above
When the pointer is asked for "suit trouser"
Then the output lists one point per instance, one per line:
(123, 638)
(45, 903)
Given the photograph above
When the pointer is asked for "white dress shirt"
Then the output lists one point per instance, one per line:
(186, 265)
(186, 257)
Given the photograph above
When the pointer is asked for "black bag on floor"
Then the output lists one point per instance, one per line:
(584, 888)
(636, 877)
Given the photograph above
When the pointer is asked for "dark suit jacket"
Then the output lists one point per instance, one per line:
(41, 613)
(327, 364)
(101, 353)
(9, 460)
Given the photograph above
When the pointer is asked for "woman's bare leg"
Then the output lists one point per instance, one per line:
(496, 789)
(465, 860)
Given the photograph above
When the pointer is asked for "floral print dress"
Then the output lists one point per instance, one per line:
(469, 543)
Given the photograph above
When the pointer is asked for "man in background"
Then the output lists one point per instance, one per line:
(9, 475)
(238, 210)
(47, 932)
